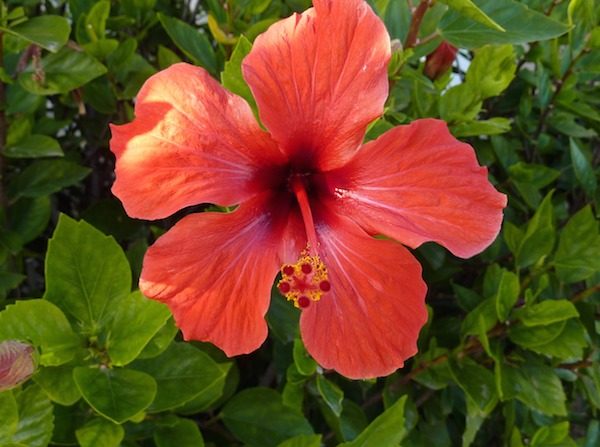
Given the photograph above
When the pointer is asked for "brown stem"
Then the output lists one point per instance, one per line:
(472, 346)
(415, 23)
(428, 39)
(585, 293)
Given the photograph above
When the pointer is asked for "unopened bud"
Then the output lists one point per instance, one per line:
(440, 60)
(17, 363)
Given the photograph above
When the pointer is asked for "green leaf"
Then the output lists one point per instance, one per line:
(180, 433)
(556, 435)
(493, 126)
(577, 256)
(530, 178)
(387, 429)
(216, 394)
(479, 387)
(160, 342)
(136, 320)
(29, 217)
(35, 146)
(183, 373)
(492, 70)
(546, 312)
(563, 340)
(9, 415)
(302, 441)
(62, 72)
(9, 281)
(469, 9)
(460, 104)
(232, 78)
(117, 394)
(481, 319)
(507, 294)
(539, 236)
(43, 324)
(293, 391)
(47, 31)
(87, 273)
(36, 421)
(58, 383)
(43, 177)
(167, 57)
(513, 236)
(304, 362)
(282, 318)
(331, 394)
(258, 418)
(521, 25)
(95, 21)
(583, 169)
(477, 383)
(534, 384)
(100, 432)
(191, 41)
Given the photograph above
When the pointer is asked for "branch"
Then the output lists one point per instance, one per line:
(415, 23)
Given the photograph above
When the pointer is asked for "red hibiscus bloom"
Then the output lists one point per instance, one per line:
(310, 195)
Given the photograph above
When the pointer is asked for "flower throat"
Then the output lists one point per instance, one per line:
(307, 279)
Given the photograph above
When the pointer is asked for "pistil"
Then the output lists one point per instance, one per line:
(306, 280)
(297, 185)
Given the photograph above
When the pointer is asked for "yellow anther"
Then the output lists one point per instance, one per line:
(304, 281)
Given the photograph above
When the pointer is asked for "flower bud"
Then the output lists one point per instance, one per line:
(440, 60)
(17, 363)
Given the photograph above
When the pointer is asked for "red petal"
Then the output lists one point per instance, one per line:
(320, 77)
(417, 183)
(191, 142)
(215, 272)
(369, 322)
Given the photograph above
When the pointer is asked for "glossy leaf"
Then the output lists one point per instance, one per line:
(521, 25)
(180, 433)
(469, 9)
(331, 394)
(9, 415)
(136, 319)
(546, 312)
(87, 273)
(35, 146)
(258, 418)
(387, 428)
(100, 432)
(191, 41)
(47, 31)
(583, 169)
(117, 394)
(62, 72)
(535, 385)
(58, 384)
(232, 78)
(36, 421)
(43, 324)
(44, 177)
(577, 255)
(183, 373)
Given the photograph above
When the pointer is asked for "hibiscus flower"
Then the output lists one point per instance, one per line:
(310, 196)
